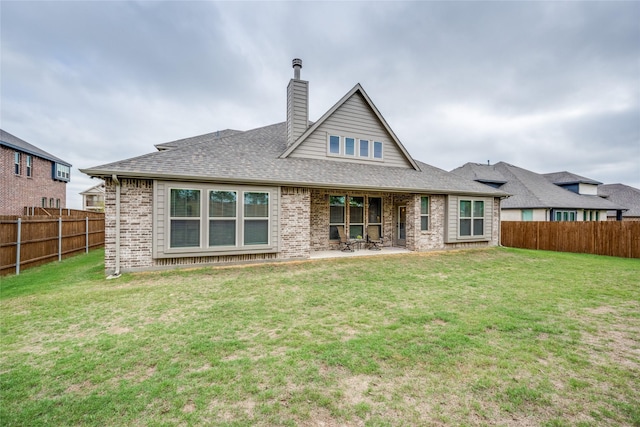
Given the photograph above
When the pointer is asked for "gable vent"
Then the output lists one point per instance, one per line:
(297, 104)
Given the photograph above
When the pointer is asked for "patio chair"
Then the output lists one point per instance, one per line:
(345, 242)
(373, 237)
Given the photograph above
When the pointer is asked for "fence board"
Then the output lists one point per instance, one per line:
(40, 239)
(612, 238)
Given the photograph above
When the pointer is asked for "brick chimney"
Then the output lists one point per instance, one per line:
(297, 104)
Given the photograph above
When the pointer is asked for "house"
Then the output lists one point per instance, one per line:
(534, 197)
(30, 176)
(623, 195)
(282, 192)
(93, 198)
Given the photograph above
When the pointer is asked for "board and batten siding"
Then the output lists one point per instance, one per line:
(161, 219)
(452, 219)
(355, 119)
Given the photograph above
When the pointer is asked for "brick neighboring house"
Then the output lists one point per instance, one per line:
(30, 176)
(283, 191)
(537, 197)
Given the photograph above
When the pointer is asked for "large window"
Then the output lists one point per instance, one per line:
(185, 218)
(222, 218)
(354, 147)
(471, 218)
(424, 213)
(336, 215)
(218, 218)
(356, 217)
(16, 163)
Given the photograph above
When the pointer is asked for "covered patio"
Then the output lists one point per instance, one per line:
(359, 252)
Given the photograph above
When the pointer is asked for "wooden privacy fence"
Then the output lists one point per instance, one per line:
(613, 238)
(34, 240)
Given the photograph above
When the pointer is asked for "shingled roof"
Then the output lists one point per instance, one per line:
(254, 157)
(531, 190)
(16, 143)
(564, 177)
(623, 195)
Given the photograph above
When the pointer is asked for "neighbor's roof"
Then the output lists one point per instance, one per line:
(531, 190)
(254, 157)
(564, 177)
(96, 189)
(16, 143)
(623, 195)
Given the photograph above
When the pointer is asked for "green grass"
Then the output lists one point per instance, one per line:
(482, 337)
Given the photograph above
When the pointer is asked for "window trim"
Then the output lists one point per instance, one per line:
(162, 226)
(17, 163)
(344, 216)
(472, 218)
(29, 163)
(220, 218)
(565, 215)
(61, 172)
(357, 143)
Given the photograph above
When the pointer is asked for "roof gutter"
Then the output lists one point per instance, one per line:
(116, 273)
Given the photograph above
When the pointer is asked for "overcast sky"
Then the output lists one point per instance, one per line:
(547, 86)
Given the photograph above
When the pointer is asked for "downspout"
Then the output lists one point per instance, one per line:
(116, 273)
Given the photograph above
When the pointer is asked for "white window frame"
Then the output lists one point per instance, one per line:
(17, 160)
(246, 218)
(220, 218)
(198, 218)
(357, 142)
(29, 161)
(344, 215)
(361, 224)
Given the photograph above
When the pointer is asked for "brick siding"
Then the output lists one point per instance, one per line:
(18, 191)
(295, 225)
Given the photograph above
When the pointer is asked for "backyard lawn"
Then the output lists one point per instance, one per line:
(480, 337)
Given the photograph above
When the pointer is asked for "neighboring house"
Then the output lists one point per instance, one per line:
(93, 198)
(30, 177)
(535, 198)
(623, 195)
(283, 191)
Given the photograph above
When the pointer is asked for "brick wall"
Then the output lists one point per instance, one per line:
(136, 224)
(295, 222)
(18, 191)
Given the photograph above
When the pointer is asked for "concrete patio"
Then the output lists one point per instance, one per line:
(359, 252)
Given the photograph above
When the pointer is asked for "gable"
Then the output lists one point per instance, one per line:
(353, 117)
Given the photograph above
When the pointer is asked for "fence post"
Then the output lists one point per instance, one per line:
(18, 246)
(59, 238)
(86, 234)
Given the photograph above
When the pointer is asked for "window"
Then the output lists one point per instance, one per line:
(256, 218)
(350, 146)
(44, 202)
(57, 203)
(51, 202)
(471, 218)
(334, 144)
(364, 148)
(565, 215)
(336, 215)
(377, 150)
(29, 165)
(375, 213)
(222, 218)
(16, 161)
(61, 172)
(185, 218)
(424, 213)
(356, 217)
(527, 214)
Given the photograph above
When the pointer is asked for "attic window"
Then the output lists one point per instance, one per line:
(354, 147)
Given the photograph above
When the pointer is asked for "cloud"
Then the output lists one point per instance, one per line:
(543, 85)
